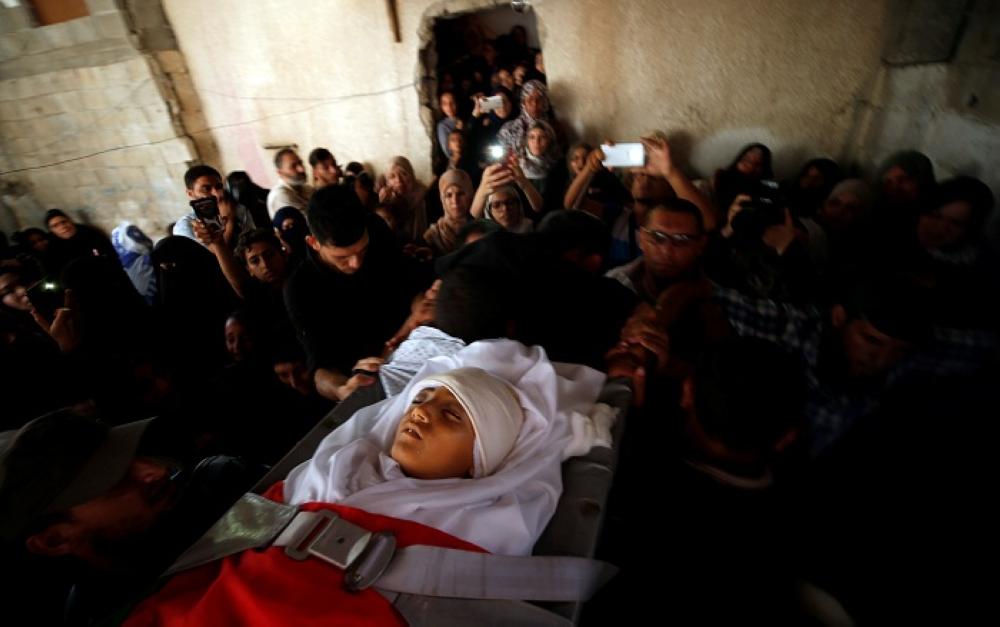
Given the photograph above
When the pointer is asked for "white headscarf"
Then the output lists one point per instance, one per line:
(504, 512)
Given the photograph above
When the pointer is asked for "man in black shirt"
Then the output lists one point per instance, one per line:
(351, 293)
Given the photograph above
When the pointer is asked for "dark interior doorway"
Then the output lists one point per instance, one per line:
(472, 53)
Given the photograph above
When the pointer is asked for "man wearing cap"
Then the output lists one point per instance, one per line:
(105, 501)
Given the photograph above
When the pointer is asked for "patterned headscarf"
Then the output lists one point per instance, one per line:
(538, 166)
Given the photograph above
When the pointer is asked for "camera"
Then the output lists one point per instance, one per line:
(519, 6)
(765, 208)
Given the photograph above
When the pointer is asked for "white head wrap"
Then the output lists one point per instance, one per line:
(492, 407)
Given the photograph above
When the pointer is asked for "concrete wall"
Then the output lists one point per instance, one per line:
(88, 123)
(131, 89)
(721, 72)
(950, 111)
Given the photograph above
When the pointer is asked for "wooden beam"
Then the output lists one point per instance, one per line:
(394, 19)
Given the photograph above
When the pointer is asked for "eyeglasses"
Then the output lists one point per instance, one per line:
(680, 240)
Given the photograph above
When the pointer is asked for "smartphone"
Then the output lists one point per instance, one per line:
(495, 153)
(490, 104)
(46, 296)
(207, 210)
(624, 155)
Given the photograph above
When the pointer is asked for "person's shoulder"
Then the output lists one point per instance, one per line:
(182, 226)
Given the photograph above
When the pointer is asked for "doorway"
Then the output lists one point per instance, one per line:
(469, 54)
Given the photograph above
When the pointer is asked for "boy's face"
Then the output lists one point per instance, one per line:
(869, 352)
(266, 263)
(434, 439)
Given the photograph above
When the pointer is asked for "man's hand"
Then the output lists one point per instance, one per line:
(653, 339)
(476, 102)
(210, 237)
(63, 328)
(625, 361)
(421, 253)
(734, 210)
(595, 160)
(658, 159)
(360, 380)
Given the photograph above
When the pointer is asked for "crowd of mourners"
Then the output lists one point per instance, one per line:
(808, 357)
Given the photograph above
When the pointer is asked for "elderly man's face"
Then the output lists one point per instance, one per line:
(292, 171)
(434, 439)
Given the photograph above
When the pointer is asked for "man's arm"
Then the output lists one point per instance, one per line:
(577, 190)
(335, 386)
(214, 240)
(660, 162)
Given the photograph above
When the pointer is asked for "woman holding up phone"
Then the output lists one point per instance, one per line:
(487, 119)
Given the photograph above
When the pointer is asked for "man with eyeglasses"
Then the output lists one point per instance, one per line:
(672, 239)
(652, 185)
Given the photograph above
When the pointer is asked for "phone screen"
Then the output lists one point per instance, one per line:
(496, 153)
(46, 296)
(491, 104)
(627, 155)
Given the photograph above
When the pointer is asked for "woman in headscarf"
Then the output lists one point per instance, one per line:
(810, 188)
(534, 106)
(504, 207)
(292, 229)
(743, 176)
(542, 164)
(485, 125)
(456, 198)
(406, 196)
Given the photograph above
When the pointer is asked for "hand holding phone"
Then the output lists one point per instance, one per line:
(628, 155)
(490, 104)
(46, 296)
(207, 210)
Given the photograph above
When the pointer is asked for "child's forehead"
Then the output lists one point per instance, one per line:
(438, 391)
